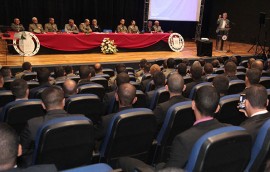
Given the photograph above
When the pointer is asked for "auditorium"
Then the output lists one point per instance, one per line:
(134, 86)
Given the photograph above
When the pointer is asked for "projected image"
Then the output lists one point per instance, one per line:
(174, 10)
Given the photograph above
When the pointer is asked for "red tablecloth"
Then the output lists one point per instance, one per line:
(79, 42)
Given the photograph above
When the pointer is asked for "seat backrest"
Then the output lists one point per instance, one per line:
(32, 84)
(96, 89)
(106, 76)
(244, 63)
(211, 77)
(146, 76)
(100, 80)
(141, 100)
(29, 76)
(241, 75)
(74, 78)
(236, 86)
(67, 142)
(241, 69)
(219, 71)
(6, 96)
(150, 86)
(7, 83)
(132, 78)
(179, 118)
(187, 79)
(268, 93)
(108, 71)
(136, 85)
(86, 104)
(37, 94)
(130, 133)
(100, 167)
(229, 113)
(196, 87)
(130, 69)
(223, 149)
(260, 150)
(265, 81)
(19, 112)
(161, 95)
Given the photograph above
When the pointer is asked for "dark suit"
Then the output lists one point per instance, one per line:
(190, 86)
(28, 135)
(232, 78)
(161, 109)
(253, 124)
(35, 168)
(96, 28)
(145, 83)
(108, 98)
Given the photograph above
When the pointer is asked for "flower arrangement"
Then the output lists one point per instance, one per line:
(108, 46)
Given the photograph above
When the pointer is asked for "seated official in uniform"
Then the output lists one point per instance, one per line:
(133, 28)
(95, 27)
(35, 26)
(10, 149)
(17, 26)
(71, 27)
(204, 105)
(51, 26)
(121, 28)
(149, 27)
(85, 27)
(156, 27)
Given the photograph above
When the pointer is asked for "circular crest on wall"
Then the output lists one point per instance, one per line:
(176, 42)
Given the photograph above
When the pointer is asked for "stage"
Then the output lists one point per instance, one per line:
(190, 51)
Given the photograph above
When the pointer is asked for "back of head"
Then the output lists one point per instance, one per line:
(68, 69)
(70, 87)
(120, 68)
(126, 94)
(52, 98)
(6, 72)
(142, 63)
(221, 83)
(182, 69)
(202, 61)
(234, 59)
(170, 63)
(253, 76)
(19, 88)
(206, 100)
(257, 64)
(257, 96)
(250, 61)
(196, 71)
(122, 78)
(43, 75)
(98, 67)
(59, 71)
(86, 72)
(215, 63)
(221, 60)
(154, 68)
(230, 68)
(9, 142)
(208, 68)
(147, 67)
(159, 79)
(27, 66)
(175, 83)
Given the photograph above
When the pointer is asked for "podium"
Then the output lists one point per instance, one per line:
(222, 40)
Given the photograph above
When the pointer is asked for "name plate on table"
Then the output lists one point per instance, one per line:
(176, 42)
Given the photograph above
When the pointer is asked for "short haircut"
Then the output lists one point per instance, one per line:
(230, 67)
(18, 88)
(147, 67)
(5, 71)
(257, 96)
(196, 71)
(120, 68)
(26, 66)
(142, 63)
(52, 97)
(254, 76)
(220, 60)
(250, 61)
(159, 79)
(126, 94)
(70, 87)
(98, 67)
(43, 75)
(122, 78)
(9, 142)
(257, 64)
(154, 68)
(85, 71)
(175, 83)
(170, 63)
(234, 59)
(215, 63)
(202, 61)
(182, 69)
(59, 71)
(221, 83)
(207, 100)
(208, 68)
(68, 69)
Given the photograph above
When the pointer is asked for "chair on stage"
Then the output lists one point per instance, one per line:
(223, 149)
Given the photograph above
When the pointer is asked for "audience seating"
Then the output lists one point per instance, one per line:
(37, 93)
(60, 83)
(244, 63)
(265, 81)
(132, 78)
(108, 71)
(29, 76)
(159, 62)
(229, 113)
(223, 149)
(236, 86)
(219, 71)
(136, 85)
(7, 83)
(96, 89)
(130, 133)
(179, 118)
(265, 73)
(32, 84)
(6, 96)
(67, 142)
(74, 78)
(100, 80)
(150, 86)
(86, 104)
(196, 87)
(241, 75)
(106, 76)
(101, 167)
(268, 93)
(17, 113)
(130, 69)
(146, 76)
(260, 150)
(211, 77)
(161, 95)
(187, 79)
(241, 69)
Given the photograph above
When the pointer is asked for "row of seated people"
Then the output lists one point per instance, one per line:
(136, 128)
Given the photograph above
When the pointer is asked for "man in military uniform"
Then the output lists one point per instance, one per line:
(71, 27)
(121, 28)
(156, 27)
(51, 26)
(17, 26)
(35, 26)
(95, 27)
(133, 28)
(85, 27)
